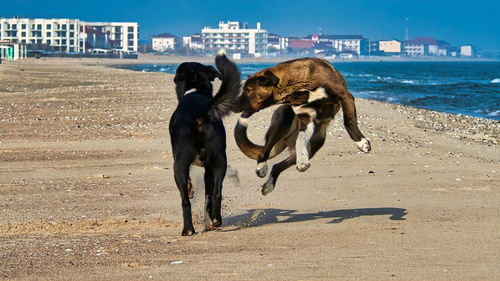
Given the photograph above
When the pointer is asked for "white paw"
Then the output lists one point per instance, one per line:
(364, 145)
(261, 170)
(303, 162)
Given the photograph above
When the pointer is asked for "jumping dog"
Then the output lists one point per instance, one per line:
(312, 91)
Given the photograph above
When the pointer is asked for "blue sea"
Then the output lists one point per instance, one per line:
(468, 88)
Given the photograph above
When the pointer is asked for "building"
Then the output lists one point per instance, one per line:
(298, 44)
(389, 47)
(466, 51)
(235, 37)
(193, 42)
(276, 43)
(69, 35)
(164, 42)
(123, 36)
(50, 34)
(347, 44)
(12, 51)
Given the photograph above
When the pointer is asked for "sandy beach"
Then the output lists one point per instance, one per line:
(87, 190)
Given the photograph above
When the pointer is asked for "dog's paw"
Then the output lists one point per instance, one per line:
(188, 232)
(261, 170)
(267, 187)
(302, 167)
(303, 162)
(364, 145)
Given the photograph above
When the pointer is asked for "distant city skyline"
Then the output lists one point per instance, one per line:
(457, 22)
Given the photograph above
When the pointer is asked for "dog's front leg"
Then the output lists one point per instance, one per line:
(181, 175)
(306, 129)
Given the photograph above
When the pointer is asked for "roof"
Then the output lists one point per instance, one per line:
(164, 35)
(333, 37)
(424, 40)
(300, 44)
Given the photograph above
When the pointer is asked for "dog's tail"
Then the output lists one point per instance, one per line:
(250, 149)
(222, 102)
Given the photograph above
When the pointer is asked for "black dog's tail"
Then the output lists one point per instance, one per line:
(222, 102)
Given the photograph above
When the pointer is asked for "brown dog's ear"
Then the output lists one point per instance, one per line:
(212, 73)
(268, 79)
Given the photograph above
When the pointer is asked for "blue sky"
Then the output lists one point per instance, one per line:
(458, 22)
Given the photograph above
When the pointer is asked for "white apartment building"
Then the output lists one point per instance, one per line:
(348, 43)
(122, 36)
(236, 37)
(61, 34)
(164, 42)
(70, 35)
(466, 51)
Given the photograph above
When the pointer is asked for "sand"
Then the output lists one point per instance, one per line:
(87, 191)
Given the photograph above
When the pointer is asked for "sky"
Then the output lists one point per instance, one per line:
(457, 22)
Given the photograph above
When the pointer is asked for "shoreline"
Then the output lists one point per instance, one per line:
(114, 64)
(164, 59)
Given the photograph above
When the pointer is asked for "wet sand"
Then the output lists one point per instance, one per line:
(87, 190)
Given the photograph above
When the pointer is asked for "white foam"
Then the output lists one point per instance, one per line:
(494, 113)
(495, 81)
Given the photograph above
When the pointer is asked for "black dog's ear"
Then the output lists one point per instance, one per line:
(268, 79)
(212, 73)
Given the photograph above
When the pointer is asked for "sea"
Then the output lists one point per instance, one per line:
(467, 88)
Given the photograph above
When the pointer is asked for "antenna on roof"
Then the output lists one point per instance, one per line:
(406, 29)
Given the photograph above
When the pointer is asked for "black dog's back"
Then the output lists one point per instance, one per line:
(190, 133)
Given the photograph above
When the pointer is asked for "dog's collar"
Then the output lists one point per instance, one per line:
(190, 91)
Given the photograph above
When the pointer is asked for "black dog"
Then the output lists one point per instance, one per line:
(197, 133)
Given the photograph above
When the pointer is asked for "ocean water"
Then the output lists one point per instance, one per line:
(468, 88)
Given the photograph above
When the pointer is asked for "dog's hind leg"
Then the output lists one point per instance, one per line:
(281, 122)
(306, 117)
(351, 122)
(181, 175)
(209, 192)
(219, 174)
(277, 169)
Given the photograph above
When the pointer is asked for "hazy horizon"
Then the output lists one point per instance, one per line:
(457, 22)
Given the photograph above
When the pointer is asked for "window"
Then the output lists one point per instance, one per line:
(130, 29)
(14, 26)
(48, 42)
(71, 34)
(49, 34)
(38, 26)
(23, 26)
(118, 29)
(63, 42)
(23, 34)
(130, 36)
(131, 43)
(71, 26)
(49, 26)
(63, 27)
(71, 42)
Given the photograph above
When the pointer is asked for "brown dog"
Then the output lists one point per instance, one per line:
(313, 92)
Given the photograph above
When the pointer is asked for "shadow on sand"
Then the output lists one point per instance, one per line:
(257, 217)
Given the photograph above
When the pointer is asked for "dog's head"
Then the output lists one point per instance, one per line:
(257, 93)
(193, 75)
